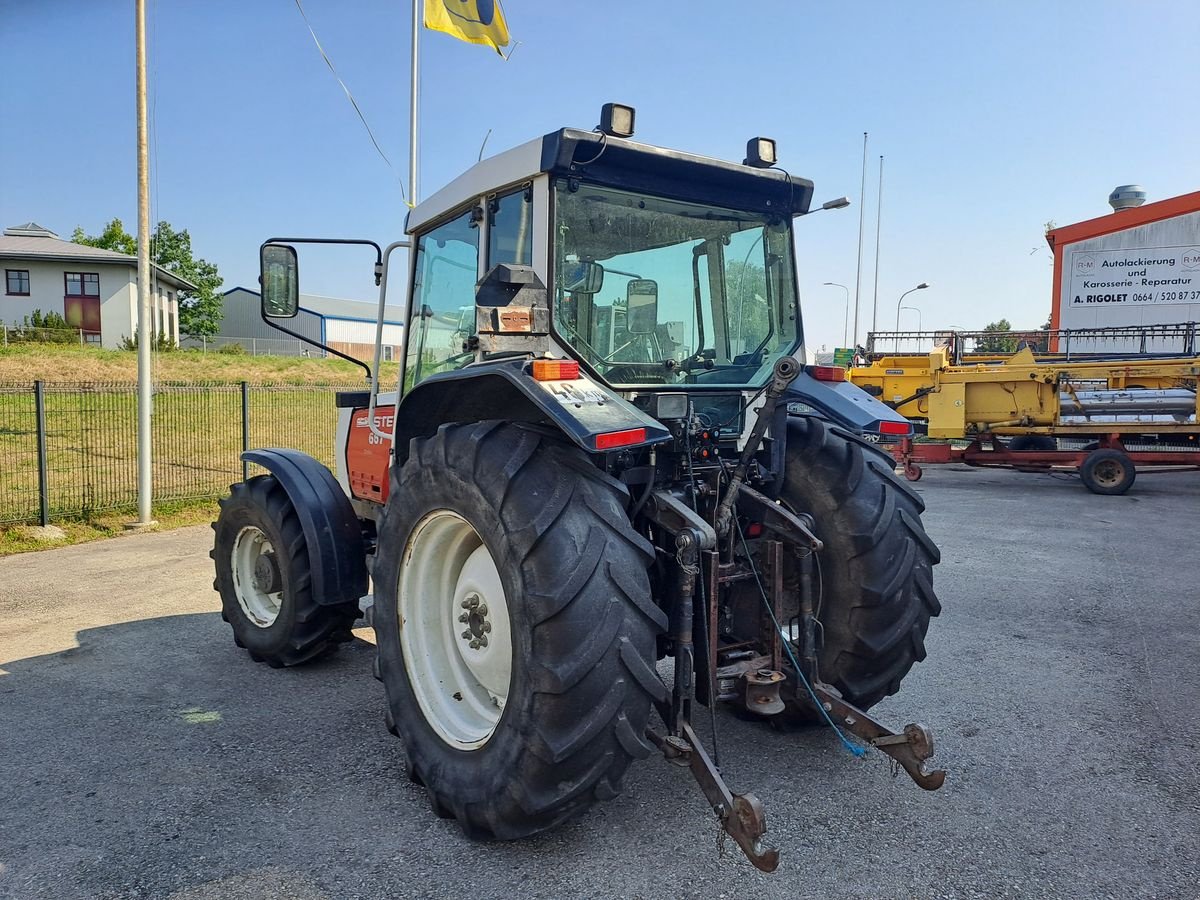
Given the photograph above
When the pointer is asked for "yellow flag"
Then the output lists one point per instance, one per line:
(473, 21)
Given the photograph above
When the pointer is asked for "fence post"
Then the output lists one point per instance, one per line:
(39, 402)
(245, 429)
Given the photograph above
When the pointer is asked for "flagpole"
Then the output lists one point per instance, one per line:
(412, 106)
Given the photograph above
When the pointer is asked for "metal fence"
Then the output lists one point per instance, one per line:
(69, 450)
(251, 346)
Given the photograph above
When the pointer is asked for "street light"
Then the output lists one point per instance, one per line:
(846, 318)
(918, 312)
(919, 287)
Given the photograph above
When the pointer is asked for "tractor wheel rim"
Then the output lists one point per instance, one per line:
(260, 606)
(1109, 472)
(455, 635)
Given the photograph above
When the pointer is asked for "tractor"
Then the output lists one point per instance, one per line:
(606, 491)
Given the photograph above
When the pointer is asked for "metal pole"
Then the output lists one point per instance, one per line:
(245, 429)
(878, 227)
(412, 106)
(862, 210)
(145, 337)
(39, 402)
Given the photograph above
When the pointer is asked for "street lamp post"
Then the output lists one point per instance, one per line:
(918, 312)
(919, 287)
(846, 317)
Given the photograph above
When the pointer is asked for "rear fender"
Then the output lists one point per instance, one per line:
(580, 408)
(336, 552)
(847, 405)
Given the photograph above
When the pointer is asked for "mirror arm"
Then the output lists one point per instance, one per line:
(308, 340)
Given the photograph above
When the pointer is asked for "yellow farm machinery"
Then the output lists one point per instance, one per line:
(1102, 402)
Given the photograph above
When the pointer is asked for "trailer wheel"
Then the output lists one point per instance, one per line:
(1107, 471)
(263, 578)
(1032, 442)
(876, 570)
(515, 627)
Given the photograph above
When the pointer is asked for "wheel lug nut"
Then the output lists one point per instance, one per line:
(466, 634)
(464, 618)
(483, 641)
(487, 627)
(482, 610)
(474, 645)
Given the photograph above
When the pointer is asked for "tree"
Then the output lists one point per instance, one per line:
(1002, 343)
(199, 309)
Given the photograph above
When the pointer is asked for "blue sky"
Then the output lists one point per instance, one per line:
(993, 118)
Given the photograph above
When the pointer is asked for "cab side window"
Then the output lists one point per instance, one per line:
(443, 310)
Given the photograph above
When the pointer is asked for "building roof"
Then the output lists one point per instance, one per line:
(345, 310)
(1125, 218)
(32, 241)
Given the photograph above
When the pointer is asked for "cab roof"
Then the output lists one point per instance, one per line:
(625, 164)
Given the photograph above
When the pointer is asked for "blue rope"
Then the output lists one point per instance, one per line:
(857, 749)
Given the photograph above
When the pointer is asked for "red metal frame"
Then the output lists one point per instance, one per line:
(989, 451)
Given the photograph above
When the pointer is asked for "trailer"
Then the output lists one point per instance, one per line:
(1102, 415)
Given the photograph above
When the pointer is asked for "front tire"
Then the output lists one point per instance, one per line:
(513, 736)
(876, 569)
(264, 579)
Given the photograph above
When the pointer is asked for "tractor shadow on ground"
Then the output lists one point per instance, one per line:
(156, 741)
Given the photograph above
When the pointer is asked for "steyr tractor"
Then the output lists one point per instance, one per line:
(606, 489)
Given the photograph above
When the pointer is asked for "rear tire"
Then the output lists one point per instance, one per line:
(876, 568)
(264, 580)
(581, 627)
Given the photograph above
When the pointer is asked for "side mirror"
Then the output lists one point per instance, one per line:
(582, 277)
(279, 278)
(641, 306)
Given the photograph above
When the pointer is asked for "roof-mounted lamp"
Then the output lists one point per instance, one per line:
(616, 120)
(760, 153)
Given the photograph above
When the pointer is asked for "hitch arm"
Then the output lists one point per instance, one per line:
(741, 815)
(910, 749)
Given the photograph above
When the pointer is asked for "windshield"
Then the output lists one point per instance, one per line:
(655, 291)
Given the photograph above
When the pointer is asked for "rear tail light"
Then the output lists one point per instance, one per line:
(894, 428)
(614, 439)
(555, 370)
(827, 373)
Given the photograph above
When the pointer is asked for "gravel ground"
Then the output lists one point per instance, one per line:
(143, 755)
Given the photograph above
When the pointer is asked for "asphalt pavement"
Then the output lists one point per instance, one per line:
(143, 755)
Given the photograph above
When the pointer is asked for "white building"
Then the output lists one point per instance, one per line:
(94, 290)
(344, 325)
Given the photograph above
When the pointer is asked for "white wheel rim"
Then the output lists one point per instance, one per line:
(251, 585)
(454, 629)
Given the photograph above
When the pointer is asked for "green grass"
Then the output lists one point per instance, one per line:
(91, 442)
(23, 363)
(15, 539)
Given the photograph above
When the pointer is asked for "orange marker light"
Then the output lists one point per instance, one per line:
(614, 439)
(827, 373)
(555, 369)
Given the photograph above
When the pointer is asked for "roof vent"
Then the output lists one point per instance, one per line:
(1127, 196)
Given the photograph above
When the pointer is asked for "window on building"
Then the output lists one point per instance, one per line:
(82, 284)
(17, 281)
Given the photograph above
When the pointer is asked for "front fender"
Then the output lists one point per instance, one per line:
(336, 553)
(583, 410)
(848, 405)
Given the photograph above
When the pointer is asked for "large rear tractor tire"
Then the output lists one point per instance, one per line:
(264, 579)
(876, 569)
(515, 626)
